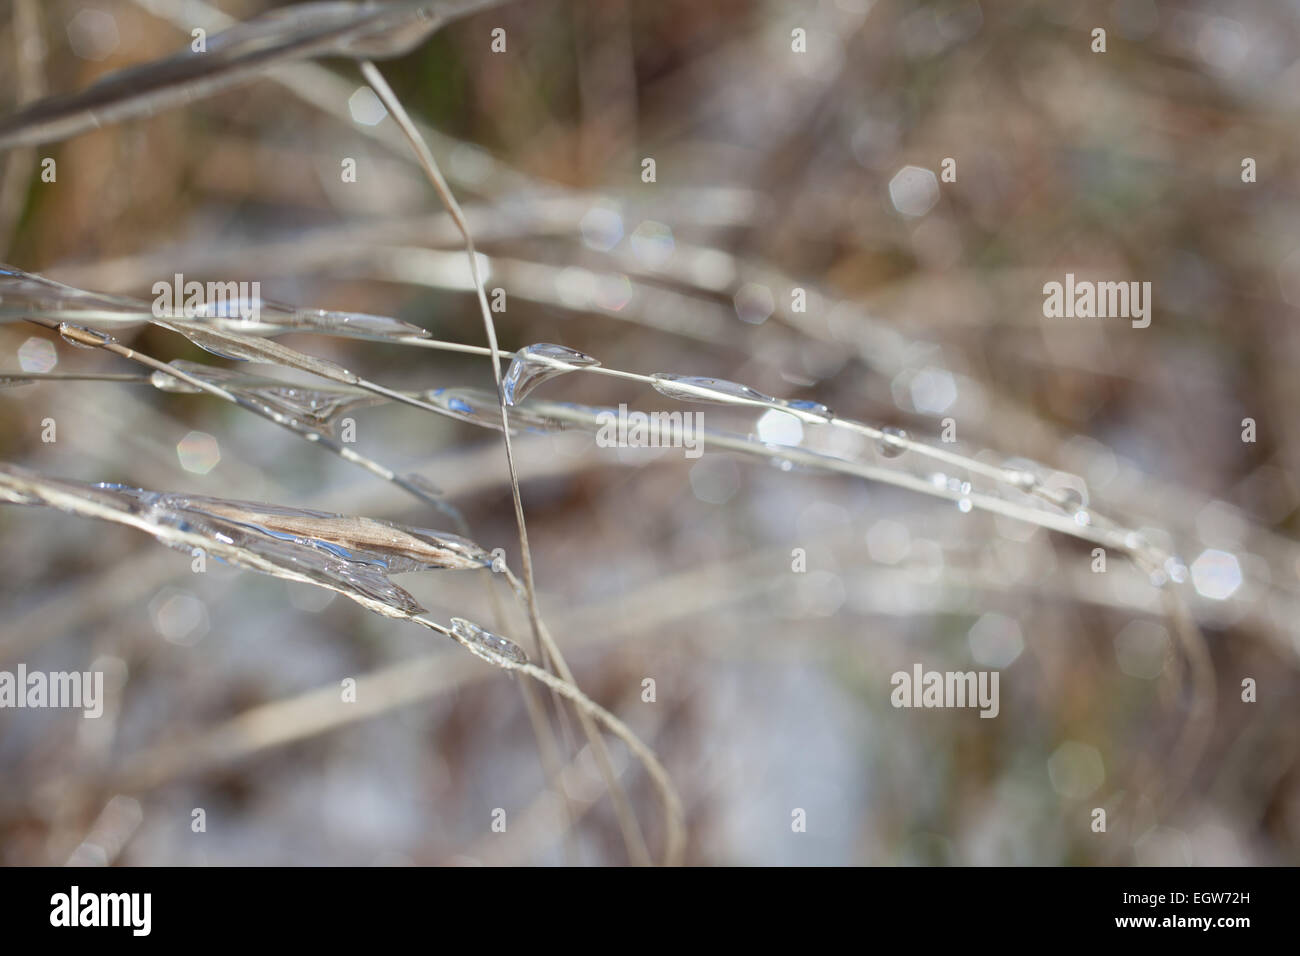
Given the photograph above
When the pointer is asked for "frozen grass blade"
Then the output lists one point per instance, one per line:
(234, 56)
(231, 532)
(25, 295)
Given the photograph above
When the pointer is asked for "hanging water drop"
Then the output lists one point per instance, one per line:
(539, 363)
(481, 641)
(892, 442)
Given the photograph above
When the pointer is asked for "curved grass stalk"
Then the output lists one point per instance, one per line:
(550, 651)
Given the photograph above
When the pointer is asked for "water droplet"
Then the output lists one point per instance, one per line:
(539, 363)
(1069, 492)
(892, 441)
(481, 640)
(1082, 519)
(170, 383)
(1064, 490)
(964, 505)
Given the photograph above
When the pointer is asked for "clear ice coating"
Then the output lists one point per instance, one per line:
(258, 316)
(316, 407)
(477, 637)
(535, 364)
(245, 348)
(349, 554)
(717, 391)
(82, 337)
(892, 442)
(709, 391)
(23, 294)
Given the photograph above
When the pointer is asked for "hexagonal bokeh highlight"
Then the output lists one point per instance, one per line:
(914, 190)
(1076, 770)
(1216, 574)
(92, 34)
(180, 617)
(366, 107)
(37, 355)
(198, 452)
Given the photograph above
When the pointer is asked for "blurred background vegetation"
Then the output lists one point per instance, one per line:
(774, 170)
